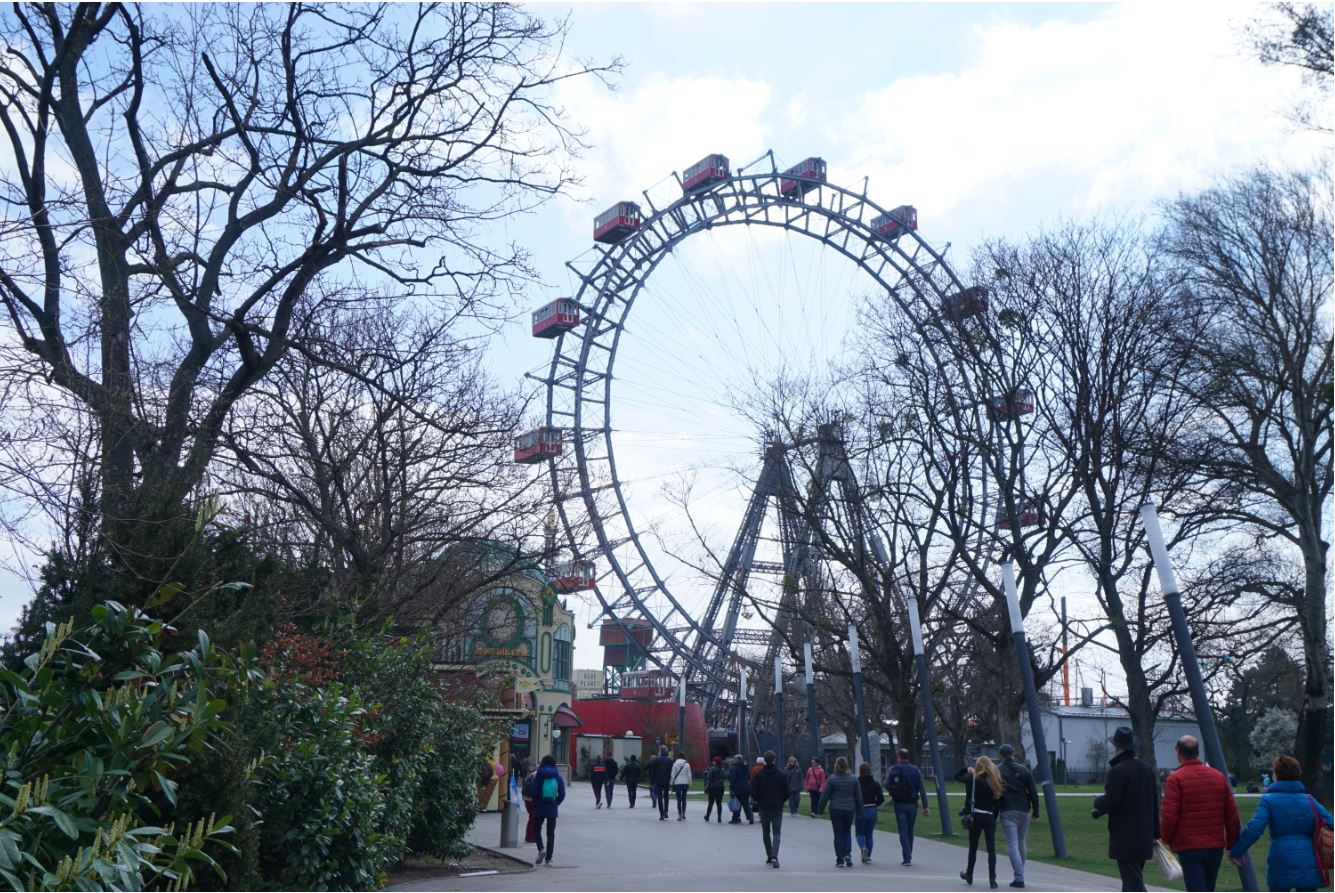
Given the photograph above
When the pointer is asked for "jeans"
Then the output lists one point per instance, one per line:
(906, 816)
(815, 802)
(1133, 874)
(551, 833)
(663, 801)
(680, 791)
(985, 826)
(865, 825)
(794, 801)
(1015, 822)
(1200, 868)
(771, 823)
(653, 796)
(608, 787)
(630, 792)
(598, 792)
(715, 799)
(745, 801)
(842, 822)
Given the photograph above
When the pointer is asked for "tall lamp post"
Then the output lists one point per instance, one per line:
(778, 704)
(681, 716)
(856, 661)
(1214, 750)
(928, 717)
(811, 703)
(741, 716)
(1035, 718)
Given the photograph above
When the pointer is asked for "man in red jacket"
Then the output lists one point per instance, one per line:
(1198, 817)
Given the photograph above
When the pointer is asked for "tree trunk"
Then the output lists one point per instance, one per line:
(1314, 719)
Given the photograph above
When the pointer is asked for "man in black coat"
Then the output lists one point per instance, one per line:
(630, 774)
(660, 776)
(612, 769)
(769, 791)
(1131, 802)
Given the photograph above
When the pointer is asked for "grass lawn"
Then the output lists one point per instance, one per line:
(1086, 841)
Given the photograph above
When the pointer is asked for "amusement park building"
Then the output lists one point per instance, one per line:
(652, 722)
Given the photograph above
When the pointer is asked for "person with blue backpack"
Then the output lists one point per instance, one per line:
(548, 790)
(904, 785)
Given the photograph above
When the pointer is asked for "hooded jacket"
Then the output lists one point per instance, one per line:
(546, 809)
(1289, 814)
(770, 788)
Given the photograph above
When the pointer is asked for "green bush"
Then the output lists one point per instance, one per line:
(93, 730)
(445, 804)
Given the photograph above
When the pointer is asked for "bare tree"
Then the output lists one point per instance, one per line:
(183, 179)
(1257, 271)
(1300, 35)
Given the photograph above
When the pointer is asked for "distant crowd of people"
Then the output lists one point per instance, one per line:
(1196, 818)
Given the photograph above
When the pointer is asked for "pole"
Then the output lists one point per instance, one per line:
(1066, 667)
(741, 721)
(929, 718)
(1214, 750)
(811, 705)
(778, 705)
(681, 717)
(857, 695)
(1035, 718)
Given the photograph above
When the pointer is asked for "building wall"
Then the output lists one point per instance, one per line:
(1087, 731)
(650, 720)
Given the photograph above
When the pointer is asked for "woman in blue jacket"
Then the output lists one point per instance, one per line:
(548, 789)
(1290, 815)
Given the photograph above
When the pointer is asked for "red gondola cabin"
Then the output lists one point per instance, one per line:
(966, 304)
(617, 222)
(559, 316)
(647, 685)
(1027, 512)
(803, 177)
(893, 224)
(1013, 405)
(705, 173)
(537, 446)
(573, 576)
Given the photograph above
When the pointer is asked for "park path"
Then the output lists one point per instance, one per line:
(625, 849)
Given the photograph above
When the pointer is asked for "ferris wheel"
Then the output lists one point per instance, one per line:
(645, 608)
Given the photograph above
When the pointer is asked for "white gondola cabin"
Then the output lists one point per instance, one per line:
(617, 222)
(705, 173)
(1028, 513)
(893, 224)
(538, 445)
(574, 576)
(647, 685)
(802, 177)
(559, 316)
(966, 304)
(1013, 405)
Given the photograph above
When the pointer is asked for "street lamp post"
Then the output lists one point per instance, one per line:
(928, 717)
(741, 717)
(681, 716)
(1035, 718)
(856, 661)
(1200, 702)
(811, 703)
(778, 704)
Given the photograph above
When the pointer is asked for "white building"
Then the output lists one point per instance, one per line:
(588, 683)
(1079, 735)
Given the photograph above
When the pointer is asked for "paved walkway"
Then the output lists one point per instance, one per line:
(625, 849)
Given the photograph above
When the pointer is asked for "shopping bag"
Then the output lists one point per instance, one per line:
(1167, 859)
(734, 804)
(1323, 844)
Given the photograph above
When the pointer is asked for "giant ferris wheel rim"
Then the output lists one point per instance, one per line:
(846, 213)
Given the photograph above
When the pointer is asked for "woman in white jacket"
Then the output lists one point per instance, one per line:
(681, 783)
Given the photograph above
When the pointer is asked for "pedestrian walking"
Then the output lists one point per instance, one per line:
(739, 785)
(598, 778)
(660, 776)
(843, 796)
(796, 779)
(815, 784)
(1130, 800)
(681, 783)
(610, 785)
(872, 797)
(769, 790)
(1292, 817)
(548, 791)
(630, 774)
(1019, 806)
(526, 792)
(982, 804)
(716, 780)
(905, 786)
(1198, 818)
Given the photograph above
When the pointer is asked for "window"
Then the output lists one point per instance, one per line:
(561, 654)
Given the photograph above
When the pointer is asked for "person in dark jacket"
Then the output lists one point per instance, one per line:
(1290, 815)
(598, 778)
(769, 790)
(983, 791)
(630, 774)
(904, 785)
(843, 795)
(548, 791)
(610, 785)
(1130, 800)
(872, 797)
(739, 784)
(716, 782)
(796, 779)
(1019, 806)
(1198, 817)
(660, 776)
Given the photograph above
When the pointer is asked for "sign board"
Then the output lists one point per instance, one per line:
(519, 731)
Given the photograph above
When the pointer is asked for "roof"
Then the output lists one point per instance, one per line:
(1075, 711)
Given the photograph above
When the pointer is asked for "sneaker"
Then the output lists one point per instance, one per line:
(864, 855)
(774, 863)
(839, 863)
(1019, 884)
(966, 877)
(907, 862)
(540, 858)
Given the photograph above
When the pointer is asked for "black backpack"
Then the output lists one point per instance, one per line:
(897, 785)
